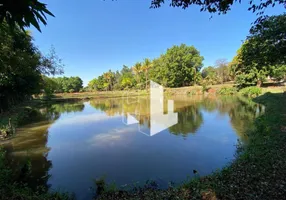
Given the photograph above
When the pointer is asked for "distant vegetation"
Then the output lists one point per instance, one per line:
(62, 84)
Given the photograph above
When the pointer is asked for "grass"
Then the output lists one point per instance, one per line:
(99, 94)
(258, 172)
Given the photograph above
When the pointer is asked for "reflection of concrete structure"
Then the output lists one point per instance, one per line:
(158, 120)
(129, 119)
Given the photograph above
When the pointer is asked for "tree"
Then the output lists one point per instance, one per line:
(49, 86)
(278, 73)
(266, 44)
(23, 13)
(210, 75)
(126, 78)
(68, 84)
(93, 84)
(76, 83)
(223, 70)
(219, 6)
(21, 66)
(117, 79)
(247, 74)
(147, 64)
(263, 53)
(137, 70)
(178, 67)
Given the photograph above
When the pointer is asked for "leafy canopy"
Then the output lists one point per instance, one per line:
(219, 6)
(266, 44)
(179, 66)
(22, 66)
(263, 53)
(24, 13)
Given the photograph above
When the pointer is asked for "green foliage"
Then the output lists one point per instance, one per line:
(218, 6)
(68, 84)
(219, 74)
(210, 75)
(251, 91)
(179, 66)
(279, 72)
(227, 91)
(12, 188)
(24, 13)
(266, 44)
(251, 76)
(49, 86)
(126, 78)
(101, 187)
(263, 53)
(21, 66)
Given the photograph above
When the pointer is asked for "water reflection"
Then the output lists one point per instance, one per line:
(71, 143)
(242, 111)
(30, 145)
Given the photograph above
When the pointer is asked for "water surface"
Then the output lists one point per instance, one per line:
(71, 144)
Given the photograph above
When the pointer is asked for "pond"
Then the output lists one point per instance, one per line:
(71, 144)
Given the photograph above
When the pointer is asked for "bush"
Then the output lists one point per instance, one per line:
(227, 91)
(71, 91)
(251, 91)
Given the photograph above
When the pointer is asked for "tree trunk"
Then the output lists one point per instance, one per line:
(259, 83)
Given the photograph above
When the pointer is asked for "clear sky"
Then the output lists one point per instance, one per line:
(93, 36)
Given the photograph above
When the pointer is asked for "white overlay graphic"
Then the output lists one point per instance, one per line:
(158, 120)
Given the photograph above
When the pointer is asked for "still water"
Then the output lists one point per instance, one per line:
(71, 144)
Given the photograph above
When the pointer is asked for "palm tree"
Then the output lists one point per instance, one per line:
(109, 76)
(137, 69)
(147, 64)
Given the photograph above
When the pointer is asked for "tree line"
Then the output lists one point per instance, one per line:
(62, 84)
(262, 55)
(179, 66)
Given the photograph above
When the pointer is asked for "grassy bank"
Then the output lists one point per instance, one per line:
(258, 172)
(99, 94)
(190, 90)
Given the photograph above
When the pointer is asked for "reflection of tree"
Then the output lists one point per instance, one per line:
(189, 120)
(67, 107)
(137, 106)
(241, 111)
(243, 116)
(30, 145)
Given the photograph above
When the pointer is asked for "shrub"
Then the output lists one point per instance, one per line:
(227, 91)
(251, 91)
(71, 91)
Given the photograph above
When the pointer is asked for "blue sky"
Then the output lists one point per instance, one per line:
(93, 36)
